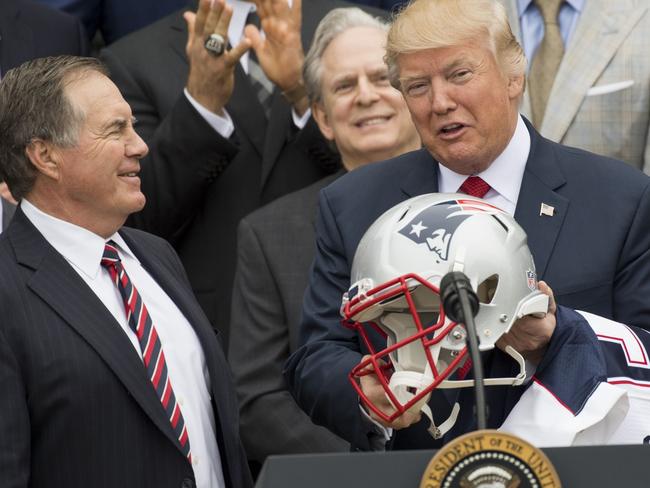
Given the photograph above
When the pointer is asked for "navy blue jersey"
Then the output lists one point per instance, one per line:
(593, 386)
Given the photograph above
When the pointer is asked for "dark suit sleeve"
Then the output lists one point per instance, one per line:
(14, 422)
(632, 286)
(317, 373)
(185, 154)
(271, 422)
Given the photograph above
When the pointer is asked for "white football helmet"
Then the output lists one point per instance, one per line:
(395, 278)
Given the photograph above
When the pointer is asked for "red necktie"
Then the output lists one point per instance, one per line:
(150, 345)
(474, 186)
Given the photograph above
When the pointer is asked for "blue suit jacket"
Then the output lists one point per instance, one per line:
(594, 253)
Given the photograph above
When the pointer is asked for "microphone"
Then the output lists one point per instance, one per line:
(450, 290)
(461, 304)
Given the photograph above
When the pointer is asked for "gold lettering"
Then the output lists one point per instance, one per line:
(513, 446)
(549, 483)
(541, 469)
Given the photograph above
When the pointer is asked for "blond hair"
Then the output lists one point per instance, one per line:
(429, 24)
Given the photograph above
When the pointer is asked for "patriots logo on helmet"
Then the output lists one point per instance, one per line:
(435, 225)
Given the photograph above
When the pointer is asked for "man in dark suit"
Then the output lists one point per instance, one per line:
(368, 122)
(215, 154)
(111, 375)
(29, 30)
(586, 216)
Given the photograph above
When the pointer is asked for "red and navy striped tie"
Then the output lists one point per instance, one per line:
(150, 345)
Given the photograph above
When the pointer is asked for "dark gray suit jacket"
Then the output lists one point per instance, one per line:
(594, 252)
(198, 184)
(275, 250)
(77, 407)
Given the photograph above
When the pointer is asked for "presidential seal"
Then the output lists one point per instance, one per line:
(489, 459)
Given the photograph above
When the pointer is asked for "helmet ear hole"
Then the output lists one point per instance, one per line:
(487, 289)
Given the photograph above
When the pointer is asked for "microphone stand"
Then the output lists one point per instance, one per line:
(461, 305)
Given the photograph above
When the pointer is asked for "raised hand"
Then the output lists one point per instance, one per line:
(280, 52)
(211, 78)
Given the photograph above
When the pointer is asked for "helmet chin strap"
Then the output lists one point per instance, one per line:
(504, 381)
(438, 431)
(407, 384)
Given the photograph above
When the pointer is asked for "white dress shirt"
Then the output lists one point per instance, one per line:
(504, 175)
(224, 124)
(184, 356)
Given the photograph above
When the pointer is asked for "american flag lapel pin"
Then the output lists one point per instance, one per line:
(547, 210)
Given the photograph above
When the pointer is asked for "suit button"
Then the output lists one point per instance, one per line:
(188, 483)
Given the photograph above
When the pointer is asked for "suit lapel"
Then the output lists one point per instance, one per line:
(55, 281)
(278, 130)
(602, 27)
(247, 112)
(422, 176)
(541, 178)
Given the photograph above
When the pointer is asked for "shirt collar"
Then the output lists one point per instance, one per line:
(80, 247)
(240, 11)
(522, 5)
(505, 173)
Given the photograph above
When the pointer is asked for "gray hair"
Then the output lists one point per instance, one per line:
(334, 23)
(430, 24)
(33, 105)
